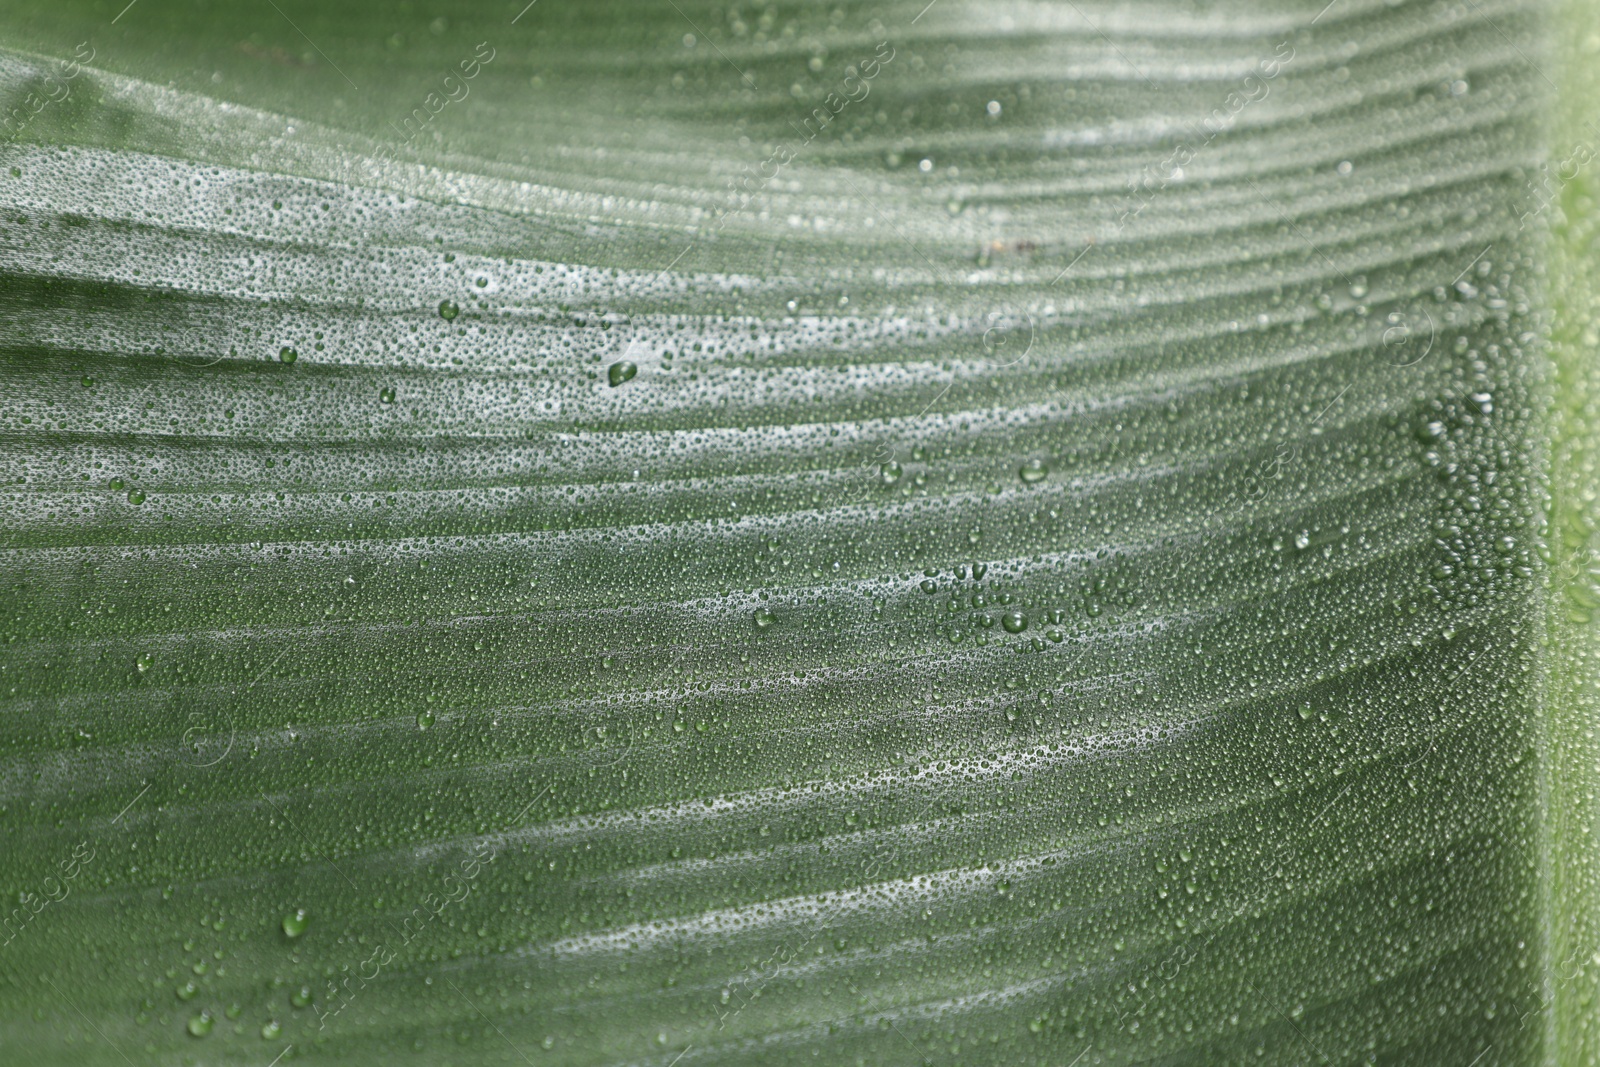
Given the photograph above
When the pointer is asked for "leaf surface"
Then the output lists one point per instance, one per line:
(1049, 534)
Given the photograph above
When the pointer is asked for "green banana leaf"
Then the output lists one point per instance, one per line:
(670, 532)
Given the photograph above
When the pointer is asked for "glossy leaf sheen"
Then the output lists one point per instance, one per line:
(1085, 559)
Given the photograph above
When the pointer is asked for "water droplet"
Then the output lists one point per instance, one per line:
(1305, 712)
(187, 991)
(889, 472)
(386, 394)
(621, 372)
(1302, 540)
(979, 570)
(448, 310)
(270, 1029)
(930, 586)
(1014, 621)
(1429, 432)
(201, 1024)
(136, 496)
(424, 719)
(763, 619)
(287, 354)
(301, 997)
(1033, 471)
(294, 924)
(144, 662)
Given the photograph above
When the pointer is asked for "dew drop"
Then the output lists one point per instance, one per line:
(201, 1024)
(386, 394)
(448, 310)
(889, 472)
(287, 354)
(144, 662)
(763, 619)
(621, 372)
(136, 496)
(1033, 471)
(294, 924)
(424, 719)
(271, 1029)
(1014, 621)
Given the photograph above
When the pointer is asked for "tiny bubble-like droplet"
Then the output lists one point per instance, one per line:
(889, 472)
(448, 310)
(1033, 471)
(386, 394)
(621, 372)
(136, 496)
(201, 1024)
(294, 924)
(287, 354)
(1014, 621)
(763, 619)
